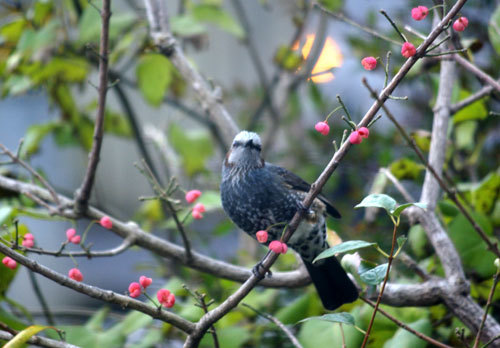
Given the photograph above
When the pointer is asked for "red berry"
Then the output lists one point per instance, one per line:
(196, 215)
(70, 233)
(9, 262)
(355, 138)
(262, 236)
(106, 222)
(322, 127)
(284, 248)
(134, 290)
(28, 236)
(369, 63)
(192, 195)
(199, 207)
(408, 50)
(75, 274)
(28, 243)
(166, 298)
(419, 13)
(75, 240)
(364, 132)
(460, 24)
(276, 246)
(145, 281)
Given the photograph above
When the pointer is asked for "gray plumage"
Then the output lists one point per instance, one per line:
(256, 194)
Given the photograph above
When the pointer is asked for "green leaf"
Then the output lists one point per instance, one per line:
(23, 336)
(401, 241)
(494, 29)
(154, 75)
(464, 135)
(379, 200)
(219, 17)
(318, 333)
(11, 32)
(402, 338)
(229, 337)
(194, 148)
(405, 168)
(474, 111)
(342, 318)
(64, 69)
(5, 213)
(16, 84)
(295, 310)
(115, 123)
(34, 136)
(375, 275)
(332, 5)
(351, 245)
(89, 26)
(448, 208)
(186, 25)
(471, 248)
(402, 207)
(485, 195)
(287, 58)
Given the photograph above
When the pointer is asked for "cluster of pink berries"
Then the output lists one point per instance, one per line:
(357, 136)
(9, 262)
(199, 208)
(277, 246)
(72, 236)
(28, 240)
(164, 296)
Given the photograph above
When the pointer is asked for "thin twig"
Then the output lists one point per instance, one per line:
(381, 292)
(394, 25)
(450, 192)
(278, 323)
(477, 72)
(83, 193)
(33, 172)
(406, 327)
(41, 298)
(488, 304)
(486, 90)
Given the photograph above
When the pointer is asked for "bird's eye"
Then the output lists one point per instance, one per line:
(237, 143)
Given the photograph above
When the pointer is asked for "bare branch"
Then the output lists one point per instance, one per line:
(471, 99)
(209, 98)
(100, 294)
(83, 193)
(477, 72)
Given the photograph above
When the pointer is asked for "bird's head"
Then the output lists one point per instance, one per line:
(245, 151)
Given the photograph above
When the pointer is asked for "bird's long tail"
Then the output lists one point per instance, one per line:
(332, 283)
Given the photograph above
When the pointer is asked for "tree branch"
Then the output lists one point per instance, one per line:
(464, 63)
(100, 294)
(39, 341)
(83, 193)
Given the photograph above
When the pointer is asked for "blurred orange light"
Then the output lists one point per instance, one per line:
(330, 57)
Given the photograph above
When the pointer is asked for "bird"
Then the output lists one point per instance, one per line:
(257, 195)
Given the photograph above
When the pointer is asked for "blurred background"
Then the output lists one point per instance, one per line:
(256, 52)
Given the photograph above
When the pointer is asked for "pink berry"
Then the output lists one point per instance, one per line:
(28, 236)
(364, 132)
(355, 138)
(369, 63)
(262, 236)
(145, 281)
(419, 13)
(276, 246)
(199, 207)
(28, 243)
(106, 222)
(166, 298)
(75, 274)
(192, 195)
(408, 50)
(460, 24)
(134, 290)
(9, 262)
(284, 248)
(75, 240)
(196, 215)
(70, 233)
(322, 127)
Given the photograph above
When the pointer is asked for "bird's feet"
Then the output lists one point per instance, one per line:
(256, 270)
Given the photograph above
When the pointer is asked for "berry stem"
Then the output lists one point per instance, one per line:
(394, 25)
(343, 107)
(331, 112)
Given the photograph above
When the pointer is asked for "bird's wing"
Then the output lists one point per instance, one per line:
(299, 184)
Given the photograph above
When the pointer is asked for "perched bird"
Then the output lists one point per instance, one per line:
(256, 194)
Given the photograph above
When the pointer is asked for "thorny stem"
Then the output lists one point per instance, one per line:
(379, 298)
